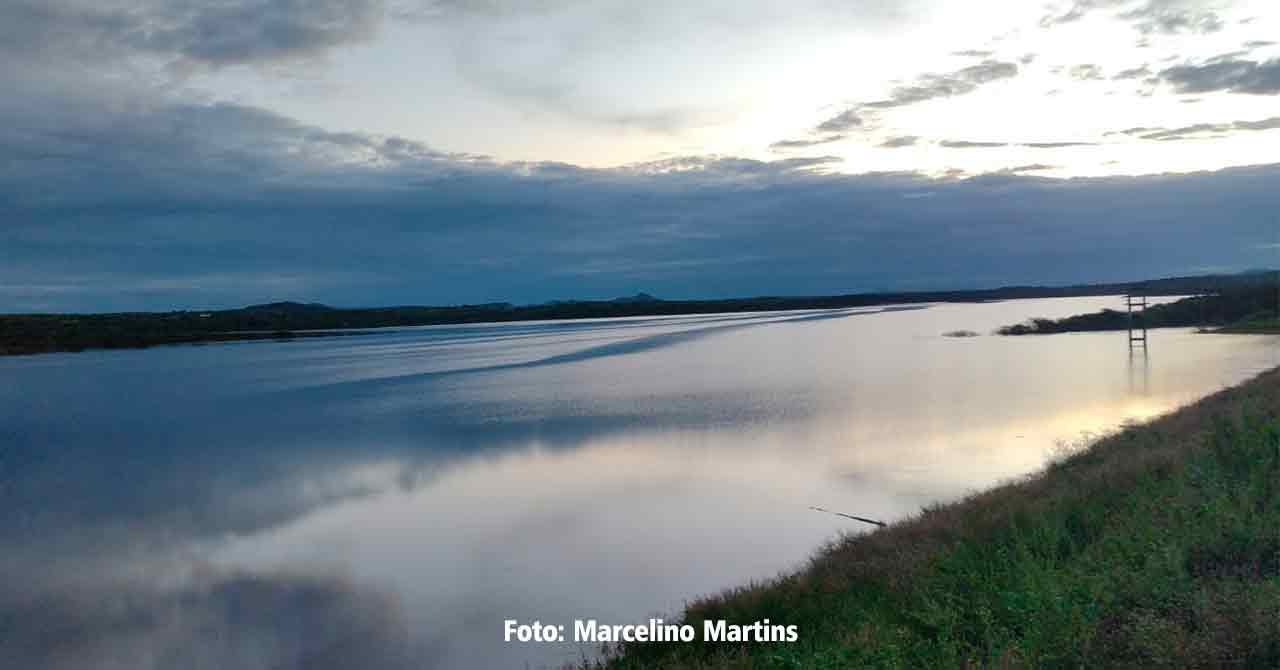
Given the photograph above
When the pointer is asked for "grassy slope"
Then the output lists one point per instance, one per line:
(1157, 546)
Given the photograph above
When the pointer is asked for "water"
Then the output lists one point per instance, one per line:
(387, 501)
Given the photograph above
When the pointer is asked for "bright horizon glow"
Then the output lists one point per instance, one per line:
(695, 84)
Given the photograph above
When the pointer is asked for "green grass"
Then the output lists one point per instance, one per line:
(1158, 546)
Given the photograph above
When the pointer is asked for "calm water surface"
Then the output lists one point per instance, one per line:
(386, 501)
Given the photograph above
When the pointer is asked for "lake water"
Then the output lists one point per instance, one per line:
(387, 501)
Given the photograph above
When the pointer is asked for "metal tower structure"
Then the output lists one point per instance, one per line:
(1137, 307)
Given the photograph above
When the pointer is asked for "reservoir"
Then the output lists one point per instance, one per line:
(389, 500)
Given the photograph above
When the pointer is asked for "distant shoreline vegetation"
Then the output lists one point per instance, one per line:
(45, 333)
(1246, 308)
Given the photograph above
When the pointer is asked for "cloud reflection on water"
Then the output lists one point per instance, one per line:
(606, 468)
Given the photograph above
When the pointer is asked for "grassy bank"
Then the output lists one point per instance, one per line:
(1158, 546)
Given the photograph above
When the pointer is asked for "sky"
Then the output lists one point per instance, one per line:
(169, 154)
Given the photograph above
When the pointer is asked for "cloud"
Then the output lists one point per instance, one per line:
(899, 141)
(611, 63)
(926, 87)
(1264, 124)
(1086, 72)
(783, 145)
(1033, 167)
(162, 205)
(1233, 76)
(1200, 130)
(718, 167)
(1056, 145)
(973, 53)
(1133, 73)
(1160, 17)
(1149, 17)
(1077, 11)
(229, 32)
(663, 66)
(963, 144)
(933, 86)
(1258, 44)
(1136, 130)
(844, 121)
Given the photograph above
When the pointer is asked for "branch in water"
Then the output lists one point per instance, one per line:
(863, 519)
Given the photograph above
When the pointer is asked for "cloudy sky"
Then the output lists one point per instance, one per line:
(161, 154)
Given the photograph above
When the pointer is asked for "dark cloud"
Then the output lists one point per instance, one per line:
(1234, 76)
(963, 144)
(1133, 73)
(1148, 17)
(1033, 167)
(161, 206)
(1265, 124)
(1056, 145)
(973, 53)
(1160, 17)
(214, 34)
(926, 87)
(1258, 44)
(1185, 132)
(986, 72)
(846, 120)
(1136, 130)
(1201, 130)
(899, 141)
(783, 145)
(933, 86)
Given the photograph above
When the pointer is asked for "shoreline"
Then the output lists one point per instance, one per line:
(1156, 545)
(110, 343)
(27, 334)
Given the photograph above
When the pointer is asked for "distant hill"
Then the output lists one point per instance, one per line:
(288, 306)
(637, 298)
